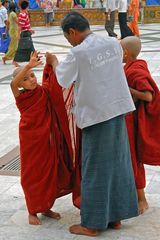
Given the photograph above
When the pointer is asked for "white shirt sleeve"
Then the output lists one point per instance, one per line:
(5, 15)
(67, 71)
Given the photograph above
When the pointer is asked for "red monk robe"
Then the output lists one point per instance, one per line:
(45, 144)
(143, 124)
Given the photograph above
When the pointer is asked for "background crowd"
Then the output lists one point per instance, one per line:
(15, 30)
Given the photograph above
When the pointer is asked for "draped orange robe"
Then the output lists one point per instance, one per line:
(45, 144)
(134, 11)
(143, 124)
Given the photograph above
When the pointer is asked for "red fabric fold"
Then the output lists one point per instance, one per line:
(76, 137)
(78, 163)
(45, 144)
(144, 136)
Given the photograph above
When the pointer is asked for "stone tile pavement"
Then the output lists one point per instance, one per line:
(13, 214)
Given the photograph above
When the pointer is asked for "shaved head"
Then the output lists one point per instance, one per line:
(132, 45)
(16, 71)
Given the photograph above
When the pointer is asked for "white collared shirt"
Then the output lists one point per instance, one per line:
(101, 90)
(122, 5)
(111, 5)
(3, 16)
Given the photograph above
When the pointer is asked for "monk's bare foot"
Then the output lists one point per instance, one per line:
(142, 206)
(52, 214)
(79, 230)
(15, 64)
(115, 225)
(4, 60)
(142, 202)
(34, 220)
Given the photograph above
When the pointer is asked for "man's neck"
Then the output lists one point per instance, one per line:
(86, 34)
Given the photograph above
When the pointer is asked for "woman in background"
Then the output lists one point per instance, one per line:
(13, 32)
(134, 12)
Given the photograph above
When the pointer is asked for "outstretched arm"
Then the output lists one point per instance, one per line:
(19, 78)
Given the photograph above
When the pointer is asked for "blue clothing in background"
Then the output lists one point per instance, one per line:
(152, 2)
(4, 42)
(32, 4)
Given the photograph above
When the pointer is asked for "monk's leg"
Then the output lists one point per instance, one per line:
(79, 230)
(140, 185)
(49, 213)
(142, 201)
(34, 220)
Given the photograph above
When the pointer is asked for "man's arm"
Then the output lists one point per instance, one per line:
(67, 71)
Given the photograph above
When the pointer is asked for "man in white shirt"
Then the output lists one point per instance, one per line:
(4, 37)
(102, 97)
(110, 17)
(122, 18)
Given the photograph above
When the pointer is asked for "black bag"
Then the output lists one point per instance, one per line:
(25, 43)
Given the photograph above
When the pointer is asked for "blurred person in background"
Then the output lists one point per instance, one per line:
(110, 17)
(4, 36)
(13, 32)
(25, 44)
(122, 18)
(134, 12)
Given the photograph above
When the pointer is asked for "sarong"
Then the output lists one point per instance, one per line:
(108, 190)
(23, 55)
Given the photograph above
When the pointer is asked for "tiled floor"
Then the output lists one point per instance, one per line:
(13, 214)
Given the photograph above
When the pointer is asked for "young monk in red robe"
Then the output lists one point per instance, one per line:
(144, 136)
(45, 142)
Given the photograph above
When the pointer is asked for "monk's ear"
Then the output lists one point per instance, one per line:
(125, 52)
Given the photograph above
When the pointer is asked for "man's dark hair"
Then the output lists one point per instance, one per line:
(24, 5)
(4, 1)
(76, 21)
